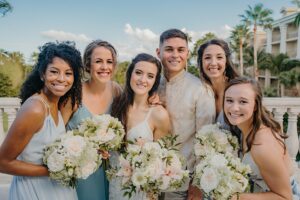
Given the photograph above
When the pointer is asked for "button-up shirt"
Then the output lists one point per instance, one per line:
(191, 105)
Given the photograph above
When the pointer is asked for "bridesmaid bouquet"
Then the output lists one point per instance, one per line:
(71, 157)
(151, 167)
(104, 130)
(220, 173)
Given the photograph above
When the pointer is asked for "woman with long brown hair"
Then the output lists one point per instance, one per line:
(262, 143)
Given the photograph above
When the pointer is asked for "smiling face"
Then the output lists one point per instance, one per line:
(239, 104)
(102, 65)
(173, 54)
(143, 77)
(58, 77)
(214, 61)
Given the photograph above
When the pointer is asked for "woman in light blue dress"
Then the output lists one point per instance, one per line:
(55, 78)
(273, 172)
(98, 93)
(216, 70)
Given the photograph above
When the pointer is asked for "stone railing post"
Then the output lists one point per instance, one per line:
(11, 115)
(278, 114)
(292, 142)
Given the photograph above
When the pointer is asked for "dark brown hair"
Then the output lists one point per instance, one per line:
(230, 72)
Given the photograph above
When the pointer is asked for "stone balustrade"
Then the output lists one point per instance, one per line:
(279, 106)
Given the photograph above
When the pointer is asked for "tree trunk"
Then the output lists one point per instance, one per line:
(255, 72)
(241, 57)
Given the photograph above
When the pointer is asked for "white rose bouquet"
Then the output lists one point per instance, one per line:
(104, 130)
(71, 157)
(220, 173)
(151, 167)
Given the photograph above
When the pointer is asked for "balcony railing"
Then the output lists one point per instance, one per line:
(279, 106)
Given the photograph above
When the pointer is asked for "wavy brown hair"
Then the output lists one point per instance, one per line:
(261, 116)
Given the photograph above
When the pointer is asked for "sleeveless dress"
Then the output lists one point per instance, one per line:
(143, 131)
(40, 187)
(95, 187)
(259, 185)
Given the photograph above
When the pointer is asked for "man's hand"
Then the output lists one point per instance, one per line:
(154, 100)
(194, 193)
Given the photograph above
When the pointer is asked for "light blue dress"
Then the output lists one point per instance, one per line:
(40, 187)
(95, 187)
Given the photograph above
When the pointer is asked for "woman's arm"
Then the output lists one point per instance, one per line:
(268, 154)
(29, 120)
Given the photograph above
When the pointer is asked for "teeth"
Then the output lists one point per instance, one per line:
(60, 87)
(213, 69)
(174, 63)
(235, 115)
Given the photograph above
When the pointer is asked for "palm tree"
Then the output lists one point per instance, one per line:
(257, 16)
(239, 35)
(4, 7)
(208, 36)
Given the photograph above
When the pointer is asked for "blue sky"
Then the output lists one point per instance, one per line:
(132, 26)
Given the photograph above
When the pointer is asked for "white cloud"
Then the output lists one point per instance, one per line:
(137, 40)
(61, 36)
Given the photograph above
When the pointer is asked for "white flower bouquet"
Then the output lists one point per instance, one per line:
(71, 157)
(104, 130)
(211, 138)
(151, 167)
(220, 173)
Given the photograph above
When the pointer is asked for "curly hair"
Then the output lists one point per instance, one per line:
(66, 51)
(230, 72)
(261, 116)
(121, 104)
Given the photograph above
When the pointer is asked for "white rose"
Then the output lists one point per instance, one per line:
(74, 145)
(55, 162)
(209, 180)
(218, 160)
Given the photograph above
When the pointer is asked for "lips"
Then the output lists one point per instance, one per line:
(103, 74)
(174, 63)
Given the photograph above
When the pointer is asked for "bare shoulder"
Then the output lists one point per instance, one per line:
(264, 136)
(159, 113)
(266, 145)
(31, 114)
(34, 107)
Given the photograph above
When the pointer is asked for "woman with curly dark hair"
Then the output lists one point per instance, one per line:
(55, 78)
